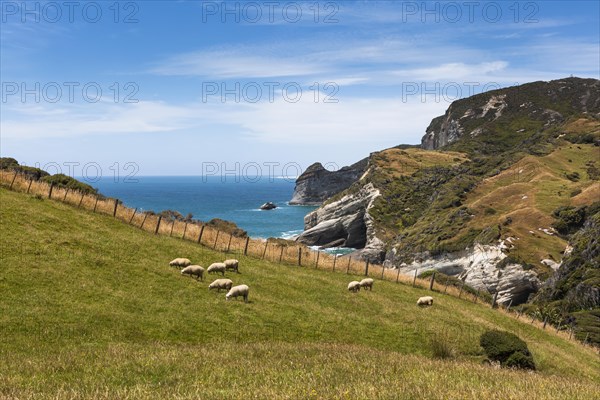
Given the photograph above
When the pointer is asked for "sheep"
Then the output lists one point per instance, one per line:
(180, 262)
(192, 270)
(232, 265)
(367, 283)
(215, 268)
(425, 301)
(354, 286)
(240, 290)
(221, 284)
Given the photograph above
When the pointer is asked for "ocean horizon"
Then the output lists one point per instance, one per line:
(232, 198)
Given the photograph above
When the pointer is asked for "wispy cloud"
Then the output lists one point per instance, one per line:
(454, 71)
(24, 121)
(366, 120)
(234, 64)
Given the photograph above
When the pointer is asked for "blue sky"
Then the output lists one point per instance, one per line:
(185, 84)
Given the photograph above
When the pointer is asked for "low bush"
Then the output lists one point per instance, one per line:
(64, 181)
(506, 348)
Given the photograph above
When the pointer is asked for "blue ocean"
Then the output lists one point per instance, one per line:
(234, 199)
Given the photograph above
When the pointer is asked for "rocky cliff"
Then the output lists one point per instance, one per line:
(317, 184)
(483, 267)
(572, 294)
(537, 103)
(344, 222)
(481, 206)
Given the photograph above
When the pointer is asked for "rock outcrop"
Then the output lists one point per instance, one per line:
(317, 184)
(345, 222)
(482, 268)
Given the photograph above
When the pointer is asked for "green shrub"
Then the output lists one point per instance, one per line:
(29, 172)
(520, 360)
(569, 219)
(573, 176)
(506, 348)
(64, 181)
(489, 211)
(227, 227)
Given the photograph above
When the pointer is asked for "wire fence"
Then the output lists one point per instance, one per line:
(288, 252)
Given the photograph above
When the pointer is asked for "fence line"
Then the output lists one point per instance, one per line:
(210, 237)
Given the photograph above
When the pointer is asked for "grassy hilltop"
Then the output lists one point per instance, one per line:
(90, 309)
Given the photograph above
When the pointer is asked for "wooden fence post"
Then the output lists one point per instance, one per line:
(558, 327)
(50, 191)
(65, 196)
(96, 204)
(317, 262)
(29, 186)
(509, 304)
(398, 275)
(265, 250)
(348, 267)
(144, 220)
(334, 261)
(13, 180)
(81, 200)
(432, 281)
(184, 231)
(216, 239)
(494, 300)
(158, 224)
(367, 268)
(382, 270)
(476, 296)
(545, 322)
(229, 243)
(115, 210)
(281, 254)
(415, 278)
(132, 215)
(201, 233)
(246, 246)
(571, 332)
(172, 226)
(462, 286)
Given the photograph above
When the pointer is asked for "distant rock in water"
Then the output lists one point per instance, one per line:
(268, 206)
(317, 184)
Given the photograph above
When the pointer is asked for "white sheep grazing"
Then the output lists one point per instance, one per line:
(216, 268)
(367, 283)
(232, 265)
(354, 286)
(180, 262)
(221, 284)
(240, 290)
(192, 270)
(425, 301)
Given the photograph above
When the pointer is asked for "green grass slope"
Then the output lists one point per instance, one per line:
(90, 309)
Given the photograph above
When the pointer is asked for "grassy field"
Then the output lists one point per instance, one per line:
(89, 308)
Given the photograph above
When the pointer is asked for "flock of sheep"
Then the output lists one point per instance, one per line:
(367, 283)
(215, 268)
(243, 290)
